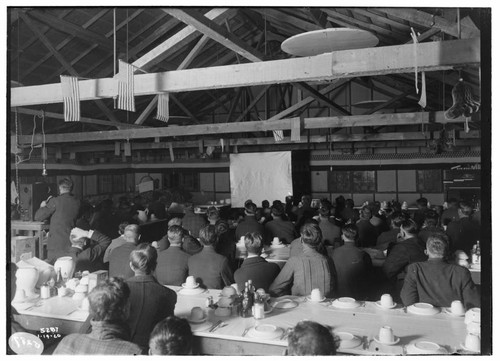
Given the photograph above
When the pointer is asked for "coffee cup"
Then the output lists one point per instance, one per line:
(386, 300)
(197, 314)
(316, 295)
(386, 335)
(473, 342)
(457, 307)
(276, 241)
(190, 282)
(473, 315)
(62, 291)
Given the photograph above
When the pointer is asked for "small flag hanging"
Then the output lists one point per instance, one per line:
(162, 107)
(71, 98)
(125, 78)
(278, 135)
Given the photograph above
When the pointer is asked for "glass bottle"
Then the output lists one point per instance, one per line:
(258, 308)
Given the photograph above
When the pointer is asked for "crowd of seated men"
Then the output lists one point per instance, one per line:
(327, 243)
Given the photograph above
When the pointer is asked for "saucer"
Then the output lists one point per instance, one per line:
(197, 321)
(396, 340)
(313, 301)
(448, 311)
(285, 304)
(189, 287)
(394, 304)
(425, 348)
(203, 326)
(424, 309)
(468, 349)
(277, 245)
(265, 331)
(348, 340)
(191, 291)
(345, 302)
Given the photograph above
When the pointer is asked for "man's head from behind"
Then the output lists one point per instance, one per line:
(309, 338)
(253, 243)
(171, 336)
(175, 234)
(277, 210)
(408, 228)
(397, 218)
(422, 203)
(143, 259)
(132, 233)
(208, 235)
(108, 301)
(311, 235)
(437, 246)
(65, 185)
(213, 214)
(250, 209)
(349, 233)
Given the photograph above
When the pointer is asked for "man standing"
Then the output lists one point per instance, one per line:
(437, 282)
(63, 212)
(119, 257)
(88, 249)
(172, 266)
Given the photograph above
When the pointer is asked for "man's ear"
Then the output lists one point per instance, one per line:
(150, 352)
(131, 266)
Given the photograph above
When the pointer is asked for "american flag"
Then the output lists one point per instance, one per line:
(162, 108)
(125, 78)
(278, 135)
(71, 98)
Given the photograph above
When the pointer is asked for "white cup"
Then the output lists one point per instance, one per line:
(473, 342)
(197, 314)
(316, 295)
(386, 300)
(457, 307)
(385, 334)
(276, 241)
(190, 282)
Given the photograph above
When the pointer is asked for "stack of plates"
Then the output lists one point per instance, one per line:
(423, 309)
(346, 302)
(265, 331)
(425, 348)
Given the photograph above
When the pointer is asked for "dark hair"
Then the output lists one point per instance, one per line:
(277, 209)
(221, 226)
(191, 245)
(265, 203)
(311, 235)
(108, 300)
(121, 227)
(143, 258)
(310, 338)
(422, 202)
(325, 208)
(253, 242)
(431, 218)
(250, 208)
(350, 231)
(175, 234)
(212, 213)
(365, 213)
(437, 244)
(397, 218)
(409, 226)
(158, 209)
(349, 203)
(208, 235)
(66, 184)
(465, 208)
(171, 336)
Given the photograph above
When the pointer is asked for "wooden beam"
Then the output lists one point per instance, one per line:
(73, 29)
(252, 103)
(184, 108)
(63, 61)
(322, 99)
(147, 111)
(429, 20)
(235, 101)
(181, 38)
(253, 126)
(318, 17)
(341, 64)
(194, 52)
(215, 32)
(108, 123)
(284, 18)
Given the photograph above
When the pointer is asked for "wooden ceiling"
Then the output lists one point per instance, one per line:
(184, 45)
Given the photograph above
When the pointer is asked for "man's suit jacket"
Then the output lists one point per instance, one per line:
(91, 258)
(150, 303)
(210, 269)
(439, 283)
(119, 262)
(284, 230)
(386, 238)
(257, 269)
(63, 211)
(172, 268)
(249, 225)
(463, 234)
(367, 234)
(193, 222)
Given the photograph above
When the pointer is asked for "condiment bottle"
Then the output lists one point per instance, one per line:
(258, 308)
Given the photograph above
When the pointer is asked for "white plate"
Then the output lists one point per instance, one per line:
(421, 308)
(348, 340)
(346, 302)
(197, 321)
(311, 300)
(394, 304)
(448, 311)
(186, 286)
(200, 326)
(285, 303)
(396, 340)
(467, 349)
(191, 291)
(425, 348)
(265, 331)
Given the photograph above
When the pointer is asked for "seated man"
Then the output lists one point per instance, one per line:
(419, 215)
(119, 257)
(367, 232)
(225, 244)
(430, 226)
(171, 336)
(309, 270)
(249, 223)
(173, 262)
(353, 266)
(438, 282)
(109, 307)
(150, 302)
(463, 233)
(191, 221)
(279, 227)
(87, 249)
(210, 269)
(254, 267)
(309, 338)
(117, 242)
(331, 232)
(391, 236)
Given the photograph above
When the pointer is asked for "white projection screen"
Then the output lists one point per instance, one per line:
(260, 176)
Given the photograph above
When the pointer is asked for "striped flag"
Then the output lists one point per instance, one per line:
(125, 78)
(71, 98)
(278, 135)
(162, 108)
